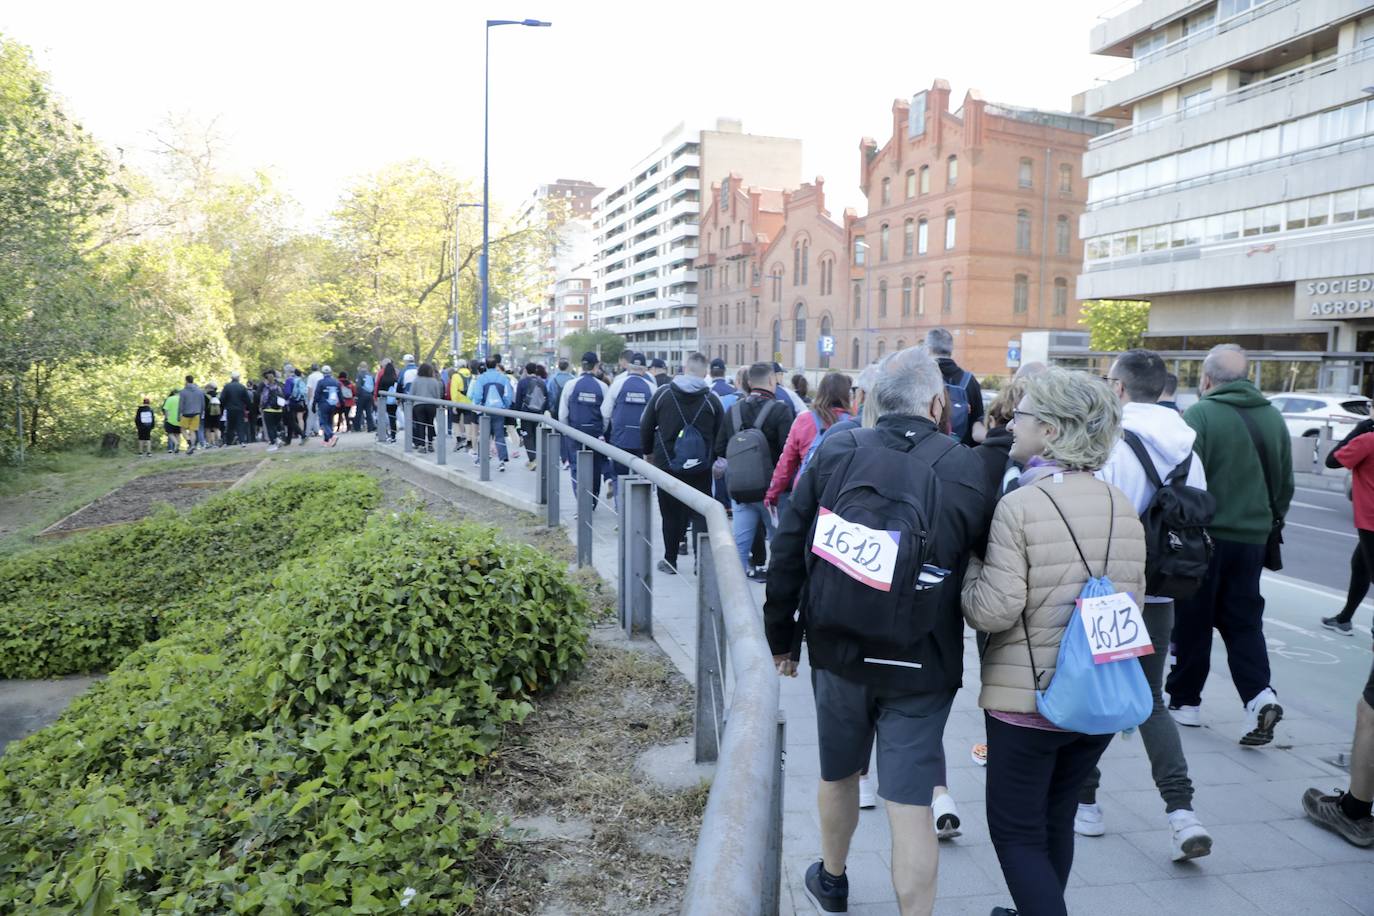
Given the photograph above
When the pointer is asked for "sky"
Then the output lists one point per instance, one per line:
(321, 93)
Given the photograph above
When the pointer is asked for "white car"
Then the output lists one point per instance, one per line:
(1307, 414)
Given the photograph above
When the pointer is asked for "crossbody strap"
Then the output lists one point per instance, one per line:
(1146, 463)
(1263, 459)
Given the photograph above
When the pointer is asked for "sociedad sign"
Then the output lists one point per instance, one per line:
(1335, 298)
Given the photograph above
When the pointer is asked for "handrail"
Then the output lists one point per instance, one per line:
(730, 868)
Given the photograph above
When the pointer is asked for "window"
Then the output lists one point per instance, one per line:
(725, 235)
(951, 171)
(860, 247)
(1061, 296)
(1023, 230)
(854, 355)
(1020, 294)
(949, 229)
(910, 184)
(882, 348)
(922, 235)
(947, 295)
(882, 298)
(1061, 235)
(887, 191)
(806, 263)
(799, 323)
(756, 351)
(925, 179)
(777, 283)
(908, 238)
(906, 297)
(796, 264)
(1065, 179)
(920, 296)
(901, 344)
(1023, 174)
(756, 311)
(858, 298)
(882, 243)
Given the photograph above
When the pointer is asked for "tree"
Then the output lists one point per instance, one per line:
(1116, 324)
(608, 344)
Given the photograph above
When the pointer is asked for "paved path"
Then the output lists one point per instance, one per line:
(1268, 858)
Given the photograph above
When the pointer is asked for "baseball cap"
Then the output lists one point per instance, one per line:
(717, 364)
(777, 367)
(325, 369)
(636, 359)
(658, 364)
(590, 358)
(408, 358)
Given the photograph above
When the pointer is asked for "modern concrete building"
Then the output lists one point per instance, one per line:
(970, 226)
(646, 231)
(536, 323)
(1239, 199)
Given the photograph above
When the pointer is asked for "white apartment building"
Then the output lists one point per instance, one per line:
(1239, 198)
(645, 229)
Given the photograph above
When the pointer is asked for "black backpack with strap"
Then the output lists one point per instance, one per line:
(749, 459)
(1178, 547)
(892, 493)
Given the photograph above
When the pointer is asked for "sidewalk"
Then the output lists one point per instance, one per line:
(1268, 858)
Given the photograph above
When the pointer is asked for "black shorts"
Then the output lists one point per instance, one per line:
(145, 433)
(171, 430)
(910, 728)
(1369, 686)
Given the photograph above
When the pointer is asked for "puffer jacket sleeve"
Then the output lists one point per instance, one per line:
(994, 594)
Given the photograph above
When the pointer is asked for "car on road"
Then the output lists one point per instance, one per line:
(1307, 414)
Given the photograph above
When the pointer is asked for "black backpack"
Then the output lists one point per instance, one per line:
(892, 491)
(1178, 547)
(749, 461)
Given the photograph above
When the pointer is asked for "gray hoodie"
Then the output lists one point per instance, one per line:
(191, 400)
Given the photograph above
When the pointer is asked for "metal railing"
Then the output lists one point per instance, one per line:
(736, 869)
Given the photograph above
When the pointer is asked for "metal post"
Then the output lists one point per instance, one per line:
(636, 501)
(586, 459)
(383, 419)
(483, 447)
(709, 715)
(555, 481)
(441, 435)
(541, 476)
(486, 206)
(772, 863)
(407, 418)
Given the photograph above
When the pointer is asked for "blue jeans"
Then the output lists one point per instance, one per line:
(326, 421)
(496, 428)
(748, 516)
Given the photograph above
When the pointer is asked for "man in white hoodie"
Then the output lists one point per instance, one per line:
(1138, 378)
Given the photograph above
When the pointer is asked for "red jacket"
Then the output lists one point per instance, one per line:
(1358, 455)
(799, 440)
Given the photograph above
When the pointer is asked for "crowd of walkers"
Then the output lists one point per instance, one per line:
(1091, 535)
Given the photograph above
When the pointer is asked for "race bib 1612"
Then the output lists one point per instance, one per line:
(860, 552)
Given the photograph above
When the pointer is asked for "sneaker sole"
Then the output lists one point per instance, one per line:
(820, 907)
(1095, 830)
(1347, 631)
(1269, 715)
(1195, 848)
(947, 827)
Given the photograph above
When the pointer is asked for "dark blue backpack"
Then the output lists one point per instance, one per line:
(689, 451)
(958, 407)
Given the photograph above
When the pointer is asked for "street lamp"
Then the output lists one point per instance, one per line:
(868, 297)
(486, 184)
(455, 339)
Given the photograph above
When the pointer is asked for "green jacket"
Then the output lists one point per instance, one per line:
(1234, 474)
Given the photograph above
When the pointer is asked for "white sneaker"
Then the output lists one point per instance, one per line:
(946, 817)
(1088, 821)
(271, 448)
(1191, 716)
(1267, 712)
(868, 792)
(1190, 840)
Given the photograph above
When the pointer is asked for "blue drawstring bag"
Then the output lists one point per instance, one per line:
(1083, 696)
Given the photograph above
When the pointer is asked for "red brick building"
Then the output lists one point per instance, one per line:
(971, 225)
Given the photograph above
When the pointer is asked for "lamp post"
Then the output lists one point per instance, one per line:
(455, 338)
(868, 297)
(486, 183)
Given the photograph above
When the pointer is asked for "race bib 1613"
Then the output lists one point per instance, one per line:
(1115, 627)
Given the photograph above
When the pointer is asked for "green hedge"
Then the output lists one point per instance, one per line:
(307, 754)
(84, 603)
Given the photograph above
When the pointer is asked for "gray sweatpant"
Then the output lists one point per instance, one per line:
(1159, 731)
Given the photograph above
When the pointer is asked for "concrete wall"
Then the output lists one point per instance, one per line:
(765, 162)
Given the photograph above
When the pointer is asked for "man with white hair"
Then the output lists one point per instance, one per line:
(1245, 451)
(882, 618)
(235, 400)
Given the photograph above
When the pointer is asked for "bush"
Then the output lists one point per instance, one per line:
(306, 754)
(83, 604)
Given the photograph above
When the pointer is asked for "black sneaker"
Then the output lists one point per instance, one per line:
(1326, 810)
(758, 574)
(828, 893)
(1339, 625)
(665, 567)
(1003, 911)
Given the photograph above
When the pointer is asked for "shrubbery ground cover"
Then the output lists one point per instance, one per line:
(308, 750)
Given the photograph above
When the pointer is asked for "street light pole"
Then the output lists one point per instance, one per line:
(455, 338)
(486, 172)
(868, 299)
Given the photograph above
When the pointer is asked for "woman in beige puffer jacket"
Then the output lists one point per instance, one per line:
(1064, 429)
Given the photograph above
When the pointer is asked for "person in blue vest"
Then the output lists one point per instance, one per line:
(328, 399)
(580, 408)
(493, 389)
(623, 409)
